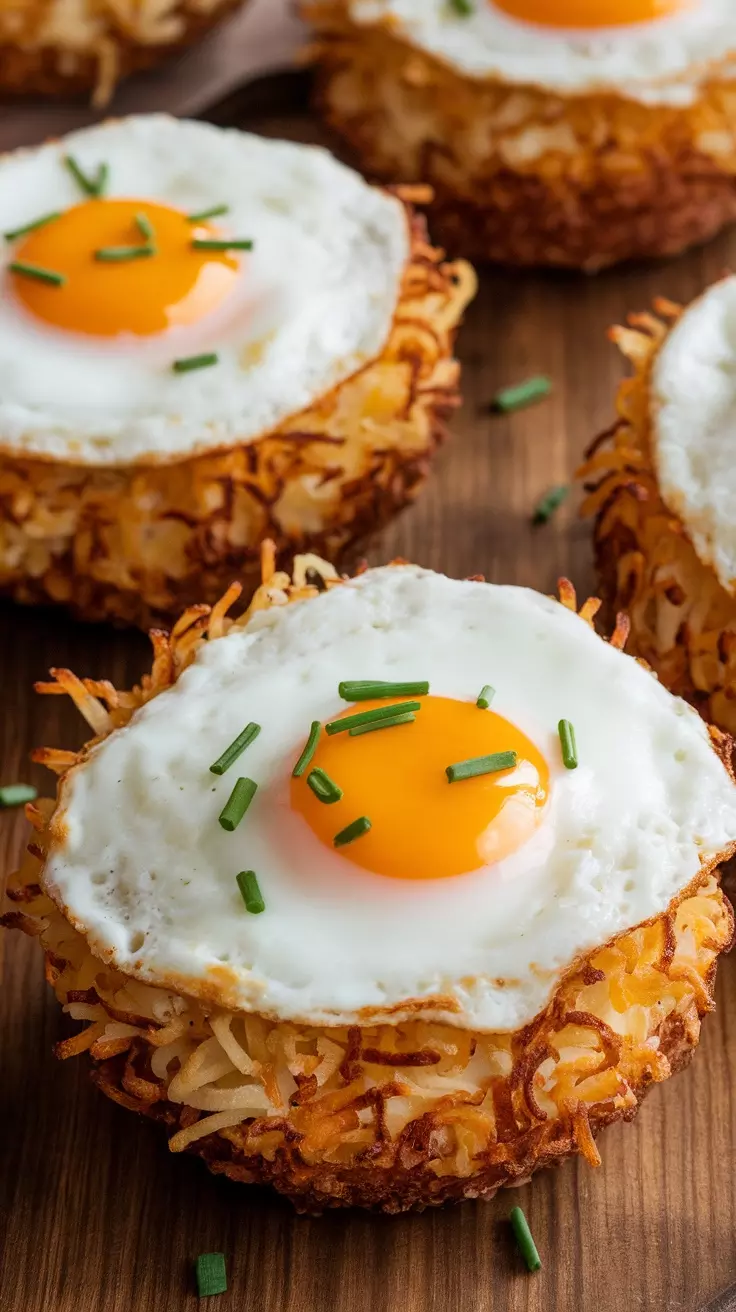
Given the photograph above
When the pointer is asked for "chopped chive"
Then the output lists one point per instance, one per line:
(462, 7)
(213, 213)
(191, 362)
(324, 788)
(352, 831)
(526, 393)
(310, 748)
(485, 696)
(523, 1237)
(17, 794)
(250, 892)
(237, 804)
(90, 186)
(36, 272)
(220, 244)
(118, 254)
(367, 717)
(211, 1274)
(549, 503)
(236, 748)
(363, 690)
(31, 227)
(567, 742)
(382, 724)
(481, 765)
(145, 227)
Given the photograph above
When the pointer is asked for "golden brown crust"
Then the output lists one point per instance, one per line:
(140, 544)
(524, 176)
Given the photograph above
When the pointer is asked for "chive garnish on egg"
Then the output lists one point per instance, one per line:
(236, 748)
(568, 745)
(549, 503)
(119, 254)
(90, 186)
(485, 697)
(382, 724)
(211, 1274)
(363, 690)
(191, 362)
(310, 748)
(324, 788)
(367, 717)
(237, 804)
(221, 244)
(352, 831)
(17, 794)
(38, 273)
(524, 1240)
(523, 394)
(479, 765)
(213, 213)
(250, 892)
(145, 228)
(462, 7)
(32, 226)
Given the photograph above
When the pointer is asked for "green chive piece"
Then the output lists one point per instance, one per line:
(237, 804)
(236, 748)
(363, 690)
(250, 892)
(220, 244)
(310, 748)
(352, 831)
(211, 1274)
(324, 788)
(145, 228)
(485, 697)
(119, 254)
(17, 794)
(462, 7)
(35, 271)
(90, 186)
(567, 742)
(191, 362)
(31, 227)
(213, 213)
(549, 503)
(382, 724)
(526, 393)
(367, 717)
(523, 1237)
(481, 765)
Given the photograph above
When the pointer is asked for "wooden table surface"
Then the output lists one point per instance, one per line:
(97, 1216)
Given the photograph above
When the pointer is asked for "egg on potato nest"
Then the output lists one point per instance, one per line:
(575, 132)
(372, 894)
(206, 338)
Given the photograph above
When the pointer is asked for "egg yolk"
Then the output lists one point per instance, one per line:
(423, 826)
(588, 13)
(175, 286)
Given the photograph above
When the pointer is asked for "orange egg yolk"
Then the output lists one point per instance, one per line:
(588, 13)
(174, 287)
(422, 826)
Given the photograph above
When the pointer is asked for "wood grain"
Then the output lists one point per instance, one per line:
(96, 1216)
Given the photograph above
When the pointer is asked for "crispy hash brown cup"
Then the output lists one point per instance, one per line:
(389, 1116)
(523, 175)
(137, 542)
(683, 620)
(57, 48)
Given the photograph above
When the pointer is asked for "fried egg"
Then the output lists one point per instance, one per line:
(656, 51)
(464, 899)
(132, 325)
(693, 396)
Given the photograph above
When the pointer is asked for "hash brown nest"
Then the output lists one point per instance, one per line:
(525, 176)
(139, 543)
(391, 1117)
(683, 621)
(66, 47)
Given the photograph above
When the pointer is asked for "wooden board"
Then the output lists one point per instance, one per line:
(97, 1216)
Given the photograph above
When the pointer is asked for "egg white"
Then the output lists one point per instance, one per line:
(315, 301)
(662, 62)
(141, 865)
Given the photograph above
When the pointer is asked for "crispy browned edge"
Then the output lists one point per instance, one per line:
(674, 197)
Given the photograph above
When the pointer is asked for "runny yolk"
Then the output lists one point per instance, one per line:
(175, 286)
(588, 13)
(422, 826)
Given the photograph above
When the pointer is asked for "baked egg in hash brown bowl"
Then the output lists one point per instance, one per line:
(576, 133)
(207, 338)
(349, 920)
